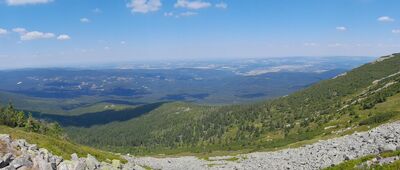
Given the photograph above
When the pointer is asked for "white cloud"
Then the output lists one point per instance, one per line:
(97, 11)
(310, 44)
(385, 19)
(221, 5)
(3, 31)
(144, 6)
(197, 4)
(84, 20)
(19, 30)
(168, 14)
(341, 28)
(26, 2)
(123, 42)
(396, 31)
(188, 14)
(36, 35)
(32, 35)
(63, 37)
(182, 14)
(336, 45)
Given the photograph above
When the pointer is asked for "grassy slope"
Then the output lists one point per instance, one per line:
(57, 146)
(179, 127)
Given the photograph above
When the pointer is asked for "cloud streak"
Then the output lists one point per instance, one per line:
(26, 2)
(34, 35)
(26, 35)
(198, 4)
(85, 20)
(144, 6)
(63, 37)
(385, 19)
(341, 28)
(221, 5)
(3, 31)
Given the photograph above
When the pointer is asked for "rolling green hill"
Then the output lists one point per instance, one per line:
(358, 100)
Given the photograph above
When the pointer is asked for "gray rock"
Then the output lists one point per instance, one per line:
(116, 164)
(92, 163)
(387, 148)
(80, 165)
(41, 163)
(30, 157)
(5, 138)
(22, 161)
(66, 165)
(7, 158)
(74, 157)
(33, 147)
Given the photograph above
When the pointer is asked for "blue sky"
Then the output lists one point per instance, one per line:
(65, 32)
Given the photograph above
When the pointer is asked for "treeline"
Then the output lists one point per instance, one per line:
(9, 116)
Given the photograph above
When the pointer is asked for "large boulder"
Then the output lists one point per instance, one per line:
(22, 161)
(6, 160)
(41, 163)
(80, 165)
(92, 163)
(116, 164)
(66, 165)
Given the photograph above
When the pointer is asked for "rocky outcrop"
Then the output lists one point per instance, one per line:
(20, 155)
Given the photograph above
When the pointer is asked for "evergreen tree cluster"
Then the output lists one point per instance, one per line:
(9, 116)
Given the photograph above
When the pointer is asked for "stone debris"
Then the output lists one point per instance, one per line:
(20, 155)
(319, 155)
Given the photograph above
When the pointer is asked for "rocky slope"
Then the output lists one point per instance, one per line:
(18, 154)
(316, 156)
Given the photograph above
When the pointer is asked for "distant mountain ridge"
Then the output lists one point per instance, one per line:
(74, 91)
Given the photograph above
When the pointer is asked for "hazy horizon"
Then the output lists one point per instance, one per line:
(134, 64)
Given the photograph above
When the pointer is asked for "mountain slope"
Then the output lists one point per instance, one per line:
(345, 102)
